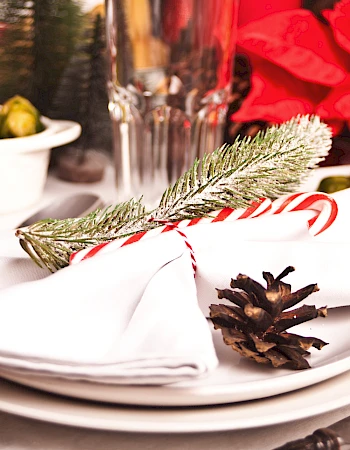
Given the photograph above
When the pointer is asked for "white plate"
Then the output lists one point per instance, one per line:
(321, 398)
(236, 379)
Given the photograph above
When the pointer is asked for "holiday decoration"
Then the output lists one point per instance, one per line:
(312, 78)
(270, 165)
(256, 326)
(53, 54)
(37, 44)
(325, 207)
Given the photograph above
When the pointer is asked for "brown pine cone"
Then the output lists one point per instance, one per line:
(256, 327)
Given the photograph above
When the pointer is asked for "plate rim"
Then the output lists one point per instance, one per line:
(174, 395)
(297, 405)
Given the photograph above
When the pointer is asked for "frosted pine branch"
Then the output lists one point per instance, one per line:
(271, 164)
(51, 242)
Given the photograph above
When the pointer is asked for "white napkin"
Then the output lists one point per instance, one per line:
(136, 315)
(129, 316)
(15, 265)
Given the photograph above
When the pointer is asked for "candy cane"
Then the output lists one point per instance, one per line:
(325, 207)
(226, 214)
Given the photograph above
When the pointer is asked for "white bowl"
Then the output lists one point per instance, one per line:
(24, 162)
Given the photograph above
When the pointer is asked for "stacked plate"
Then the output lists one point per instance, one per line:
(238, 394)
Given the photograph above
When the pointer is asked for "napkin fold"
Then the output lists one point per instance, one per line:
(137, 315)
(131, 316)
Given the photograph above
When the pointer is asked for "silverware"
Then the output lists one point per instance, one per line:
(76, 205)
(334, 437)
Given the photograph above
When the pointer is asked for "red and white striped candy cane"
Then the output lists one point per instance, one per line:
(226, 214)
(324, 205)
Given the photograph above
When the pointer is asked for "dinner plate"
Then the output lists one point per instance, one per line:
(236, 379)
(304, 403)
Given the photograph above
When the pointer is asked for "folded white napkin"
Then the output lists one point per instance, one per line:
(137, 315)
(131, 316)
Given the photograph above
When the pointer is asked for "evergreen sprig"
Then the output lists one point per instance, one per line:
(271, 164)
(50, 242)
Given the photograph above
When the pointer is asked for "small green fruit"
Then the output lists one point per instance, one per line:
(19, 118)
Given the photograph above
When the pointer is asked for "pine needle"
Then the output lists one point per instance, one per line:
(51, 242)
(273, 163)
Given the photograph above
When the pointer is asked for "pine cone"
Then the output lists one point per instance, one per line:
(256, 326)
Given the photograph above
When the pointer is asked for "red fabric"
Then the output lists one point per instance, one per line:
(300, 65)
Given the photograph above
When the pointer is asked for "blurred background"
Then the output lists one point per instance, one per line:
(53, 52)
